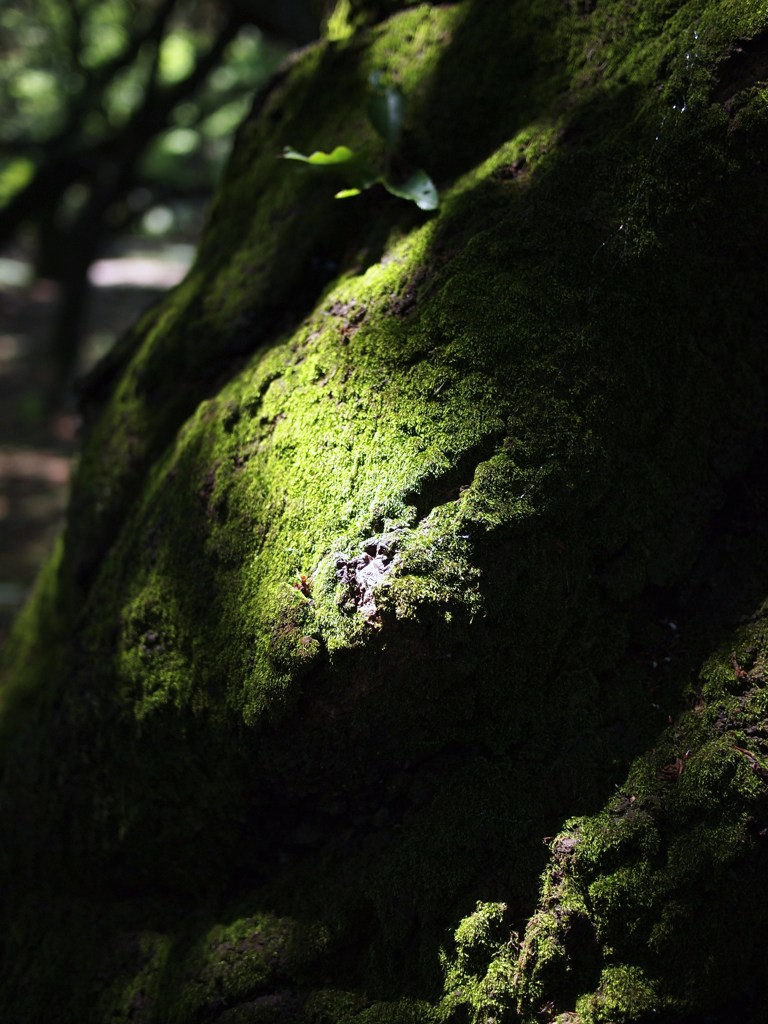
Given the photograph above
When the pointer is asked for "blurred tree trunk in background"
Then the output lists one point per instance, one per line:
(412, 555)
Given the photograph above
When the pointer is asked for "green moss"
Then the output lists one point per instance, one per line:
(238, 963)
(135, 978)
(654, 870)
(478, 977)
(330, 1007)
(339, 25)
(374, 551)
(624, 994)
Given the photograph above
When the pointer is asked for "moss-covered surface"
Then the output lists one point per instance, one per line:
(411, 556)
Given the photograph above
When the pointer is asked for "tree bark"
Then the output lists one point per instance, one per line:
(403, 658)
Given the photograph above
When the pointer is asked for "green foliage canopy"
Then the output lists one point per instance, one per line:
(79, 74)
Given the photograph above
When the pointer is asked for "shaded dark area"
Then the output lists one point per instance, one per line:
(746, 65)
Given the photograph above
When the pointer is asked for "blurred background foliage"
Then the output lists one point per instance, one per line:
(116, 117)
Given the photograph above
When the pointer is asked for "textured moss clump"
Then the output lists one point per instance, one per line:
(651, 879)
(410, 557)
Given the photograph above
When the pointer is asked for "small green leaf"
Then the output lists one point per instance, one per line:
(338, 156)
(386, 110)
(419, 188)
(342, 161)
(347, 193)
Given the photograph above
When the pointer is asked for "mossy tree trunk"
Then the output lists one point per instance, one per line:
(413, 555)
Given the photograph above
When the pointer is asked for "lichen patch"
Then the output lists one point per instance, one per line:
(362, 574)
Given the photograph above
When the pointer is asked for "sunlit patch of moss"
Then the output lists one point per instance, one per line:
(152, 669)
(408, 47)
(478, 977)
(624, 994)
(339, 24)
